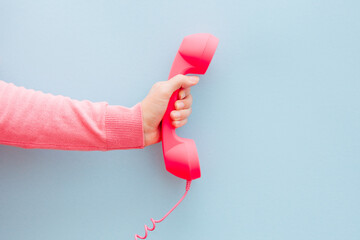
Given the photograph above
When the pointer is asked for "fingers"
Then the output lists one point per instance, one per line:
(178, 115)
(184, 103)
(164, 89)
(183, 110)
(179, 123)
(181, 81)
(184, 92)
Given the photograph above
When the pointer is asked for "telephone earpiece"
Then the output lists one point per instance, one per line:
(193, 57)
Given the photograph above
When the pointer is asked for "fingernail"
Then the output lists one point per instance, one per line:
(180, 105)
(175, 123)
(182, 94)
(176, 114)
(194, 79)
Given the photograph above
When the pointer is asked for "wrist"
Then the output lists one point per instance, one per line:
(150, 131)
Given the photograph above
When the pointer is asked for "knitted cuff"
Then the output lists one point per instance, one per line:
(124, 127)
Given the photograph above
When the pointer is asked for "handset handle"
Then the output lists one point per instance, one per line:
(180, 154)
(170, 139)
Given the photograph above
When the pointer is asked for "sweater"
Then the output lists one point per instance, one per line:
(33, 119)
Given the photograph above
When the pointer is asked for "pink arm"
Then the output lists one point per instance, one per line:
(33, 119)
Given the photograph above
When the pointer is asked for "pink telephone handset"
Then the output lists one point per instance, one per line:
(180, 154)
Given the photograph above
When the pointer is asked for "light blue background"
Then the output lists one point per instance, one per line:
(276, 120)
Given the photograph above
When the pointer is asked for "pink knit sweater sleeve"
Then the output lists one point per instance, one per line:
(33, 119)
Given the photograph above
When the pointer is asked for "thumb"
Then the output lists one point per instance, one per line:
(181, 81)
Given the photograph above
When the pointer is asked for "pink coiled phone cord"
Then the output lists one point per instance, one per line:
(188, 183)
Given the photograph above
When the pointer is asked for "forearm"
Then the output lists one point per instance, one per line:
(33, 119)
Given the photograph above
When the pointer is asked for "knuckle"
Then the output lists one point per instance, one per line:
(163, 91)
(189, 99)
(158, 85)
(178, 77)
(160, 88)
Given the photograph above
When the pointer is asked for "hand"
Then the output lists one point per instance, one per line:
(155, 104)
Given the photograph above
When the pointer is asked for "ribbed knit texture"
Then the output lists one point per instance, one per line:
(33, 119)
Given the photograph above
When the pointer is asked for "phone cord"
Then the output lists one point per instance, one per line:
(188, 183)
